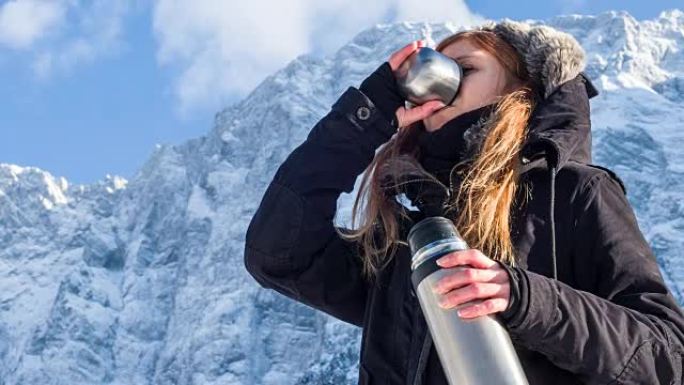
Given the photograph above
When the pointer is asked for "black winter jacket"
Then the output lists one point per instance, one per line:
(607, 317)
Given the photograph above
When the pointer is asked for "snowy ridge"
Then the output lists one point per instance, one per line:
(142, 281)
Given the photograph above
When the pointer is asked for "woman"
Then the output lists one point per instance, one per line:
(556, 252)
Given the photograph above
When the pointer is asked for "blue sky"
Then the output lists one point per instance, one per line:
(90, 87)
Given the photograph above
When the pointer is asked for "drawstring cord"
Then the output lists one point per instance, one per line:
(422, 360)
(553, 171)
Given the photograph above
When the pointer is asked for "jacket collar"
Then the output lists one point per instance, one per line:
(559, 129)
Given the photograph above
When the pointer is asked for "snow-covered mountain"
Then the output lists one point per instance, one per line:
(142, 281)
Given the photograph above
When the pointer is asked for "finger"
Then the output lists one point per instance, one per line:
(473, 257)
(489, 306)
(424, 110)
(415, 114)
(398, 57)
(462, 276)
(473, 291)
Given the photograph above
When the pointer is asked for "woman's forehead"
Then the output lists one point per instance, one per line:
(463, 48)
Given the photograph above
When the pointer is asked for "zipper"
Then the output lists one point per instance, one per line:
(425, 347)
(451, 180)
(422, 359)
(427, 341)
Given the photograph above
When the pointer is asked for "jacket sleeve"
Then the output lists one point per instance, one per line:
(630, 330)
(291, 245)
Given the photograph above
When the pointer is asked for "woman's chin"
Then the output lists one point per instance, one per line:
(435, 121)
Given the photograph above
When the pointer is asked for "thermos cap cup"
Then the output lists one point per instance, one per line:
(430, 230)
(429, 75)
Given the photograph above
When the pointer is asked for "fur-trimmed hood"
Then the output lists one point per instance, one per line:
(552, 57)
(560, 126)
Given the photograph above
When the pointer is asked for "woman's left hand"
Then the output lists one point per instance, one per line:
(484, 282)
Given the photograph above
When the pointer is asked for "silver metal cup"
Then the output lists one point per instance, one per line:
(475, 351)
(429, 75)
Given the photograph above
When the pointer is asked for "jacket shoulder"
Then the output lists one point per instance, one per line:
(586, 171)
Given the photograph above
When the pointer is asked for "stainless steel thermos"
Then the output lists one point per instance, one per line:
(429, 75)
(475, 351)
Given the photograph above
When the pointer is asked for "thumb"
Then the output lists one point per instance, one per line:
(433, 105)
(420, 112)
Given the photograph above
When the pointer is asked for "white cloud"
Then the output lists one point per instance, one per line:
(435, 11)
(60, 35)
(96, 30)
(23, 22)
(218, 49)
(224, 49)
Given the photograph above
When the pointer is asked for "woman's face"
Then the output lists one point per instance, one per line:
(484, 79)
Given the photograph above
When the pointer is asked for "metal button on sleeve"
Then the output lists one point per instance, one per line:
(363, 113)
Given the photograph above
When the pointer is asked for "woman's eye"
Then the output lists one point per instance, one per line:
(466, 70)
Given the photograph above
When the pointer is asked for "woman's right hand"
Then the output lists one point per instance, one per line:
(407, 116)
(381, 87)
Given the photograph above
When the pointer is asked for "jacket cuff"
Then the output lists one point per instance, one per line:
(382, 88)
(514, 300)
(360, 110)
(538, 306)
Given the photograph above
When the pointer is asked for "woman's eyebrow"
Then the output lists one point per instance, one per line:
(463, 57)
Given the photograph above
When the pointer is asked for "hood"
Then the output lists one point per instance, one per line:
(559, 129)
(560, 126)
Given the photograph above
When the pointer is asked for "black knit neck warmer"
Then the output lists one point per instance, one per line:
(458, 139)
